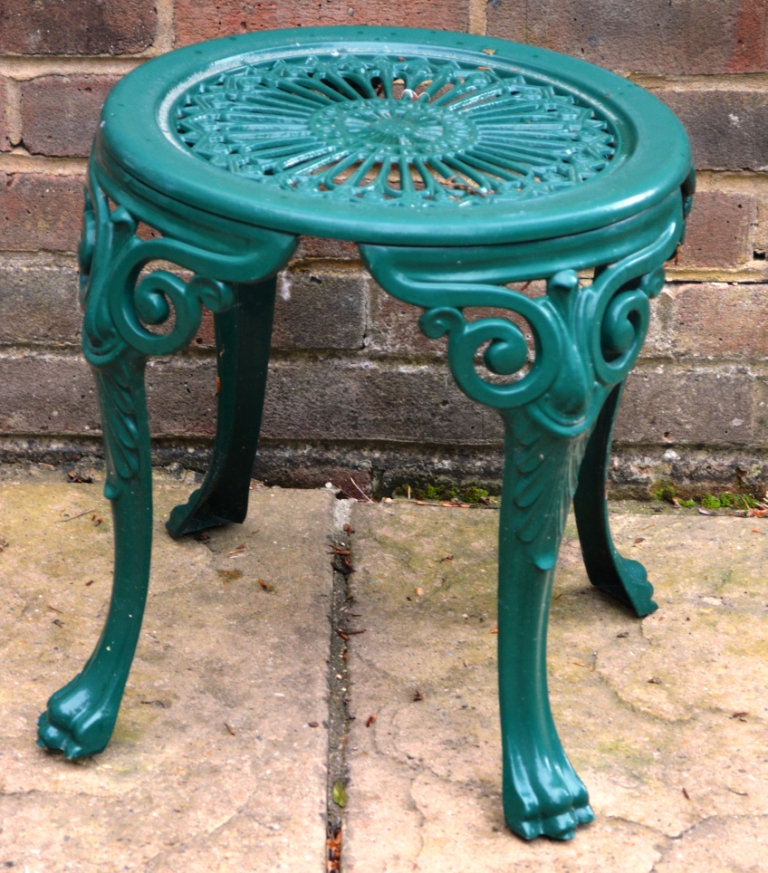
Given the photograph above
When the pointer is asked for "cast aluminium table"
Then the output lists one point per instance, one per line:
(458, 164)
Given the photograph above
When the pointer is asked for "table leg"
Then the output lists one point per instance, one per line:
(243, 336)
(81, 715)
(586, 338)
(116, 342)
(607, 569)
(542, 793)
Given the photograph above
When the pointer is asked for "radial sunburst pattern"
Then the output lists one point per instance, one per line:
(394, 130)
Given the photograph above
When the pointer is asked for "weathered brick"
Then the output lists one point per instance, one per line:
(47, 394)
(706, 407)
(38, 302)
(727, 128)
(338, 401)
(321, 310)
(306, 400)
(326, 400)
(327, 249)
(60, 114)
(5, 139)
(56, 395)
(719, 320)
(394, 327)
(648, 36)
(77, 27)
(719, 230)
(181, 397)
(656, 343)
(196, 20)
(39, 212)
(760, 411)
(314, 310)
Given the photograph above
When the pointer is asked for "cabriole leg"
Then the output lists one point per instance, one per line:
(586, 339)
(243, 336)
(81, 716)
(116, 342)
(607, 569)
(542, 793)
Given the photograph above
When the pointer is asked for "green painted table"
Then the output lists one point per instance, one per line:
(458, 164)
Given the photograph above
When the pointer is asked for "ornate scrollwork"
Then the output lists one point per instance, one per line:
(118, 306)
(120, 303)
(586, 338)
(506, 355)
(150, 305)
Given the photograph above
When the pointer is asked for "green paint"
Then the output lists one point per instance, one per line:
(488, 169)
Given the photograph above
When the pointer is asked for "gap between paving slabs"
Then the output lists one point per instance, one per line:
(338, 680)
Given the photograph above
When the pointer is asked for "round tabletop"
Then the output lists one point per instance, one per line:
(391, 136)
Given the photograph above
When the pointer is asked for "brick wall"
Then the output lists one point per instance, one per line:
(354, 388)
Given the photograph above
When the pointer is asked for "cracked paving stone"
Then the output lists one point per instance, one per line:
(176, 789)
(675, 769)
(720, 845)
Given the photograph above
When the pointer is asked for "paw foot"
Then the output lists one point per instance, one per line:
(546, 799)
(556, 827)
(77, 722)
(56, 739)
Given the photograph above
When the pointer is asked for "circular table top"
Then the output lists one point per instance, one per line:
(392, 136)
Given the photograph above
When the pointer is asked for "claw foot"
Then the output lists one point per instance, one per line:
(77, 722)
(547, 799)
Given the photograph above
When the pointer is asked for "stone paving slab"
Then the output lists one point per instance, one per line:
(677, 767)
(176, 789)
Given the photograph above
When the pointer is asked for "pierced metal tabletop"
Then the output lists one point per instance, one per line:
(391, 136)
(394, 130)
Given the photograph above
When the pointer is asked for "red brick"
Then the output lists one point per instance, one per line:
(718, 320)
(76, 27)
(60, 114)
(39, 212)
(196, 20)
(719, 230)
(5, 141)
(648, 36)
(727, 127)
